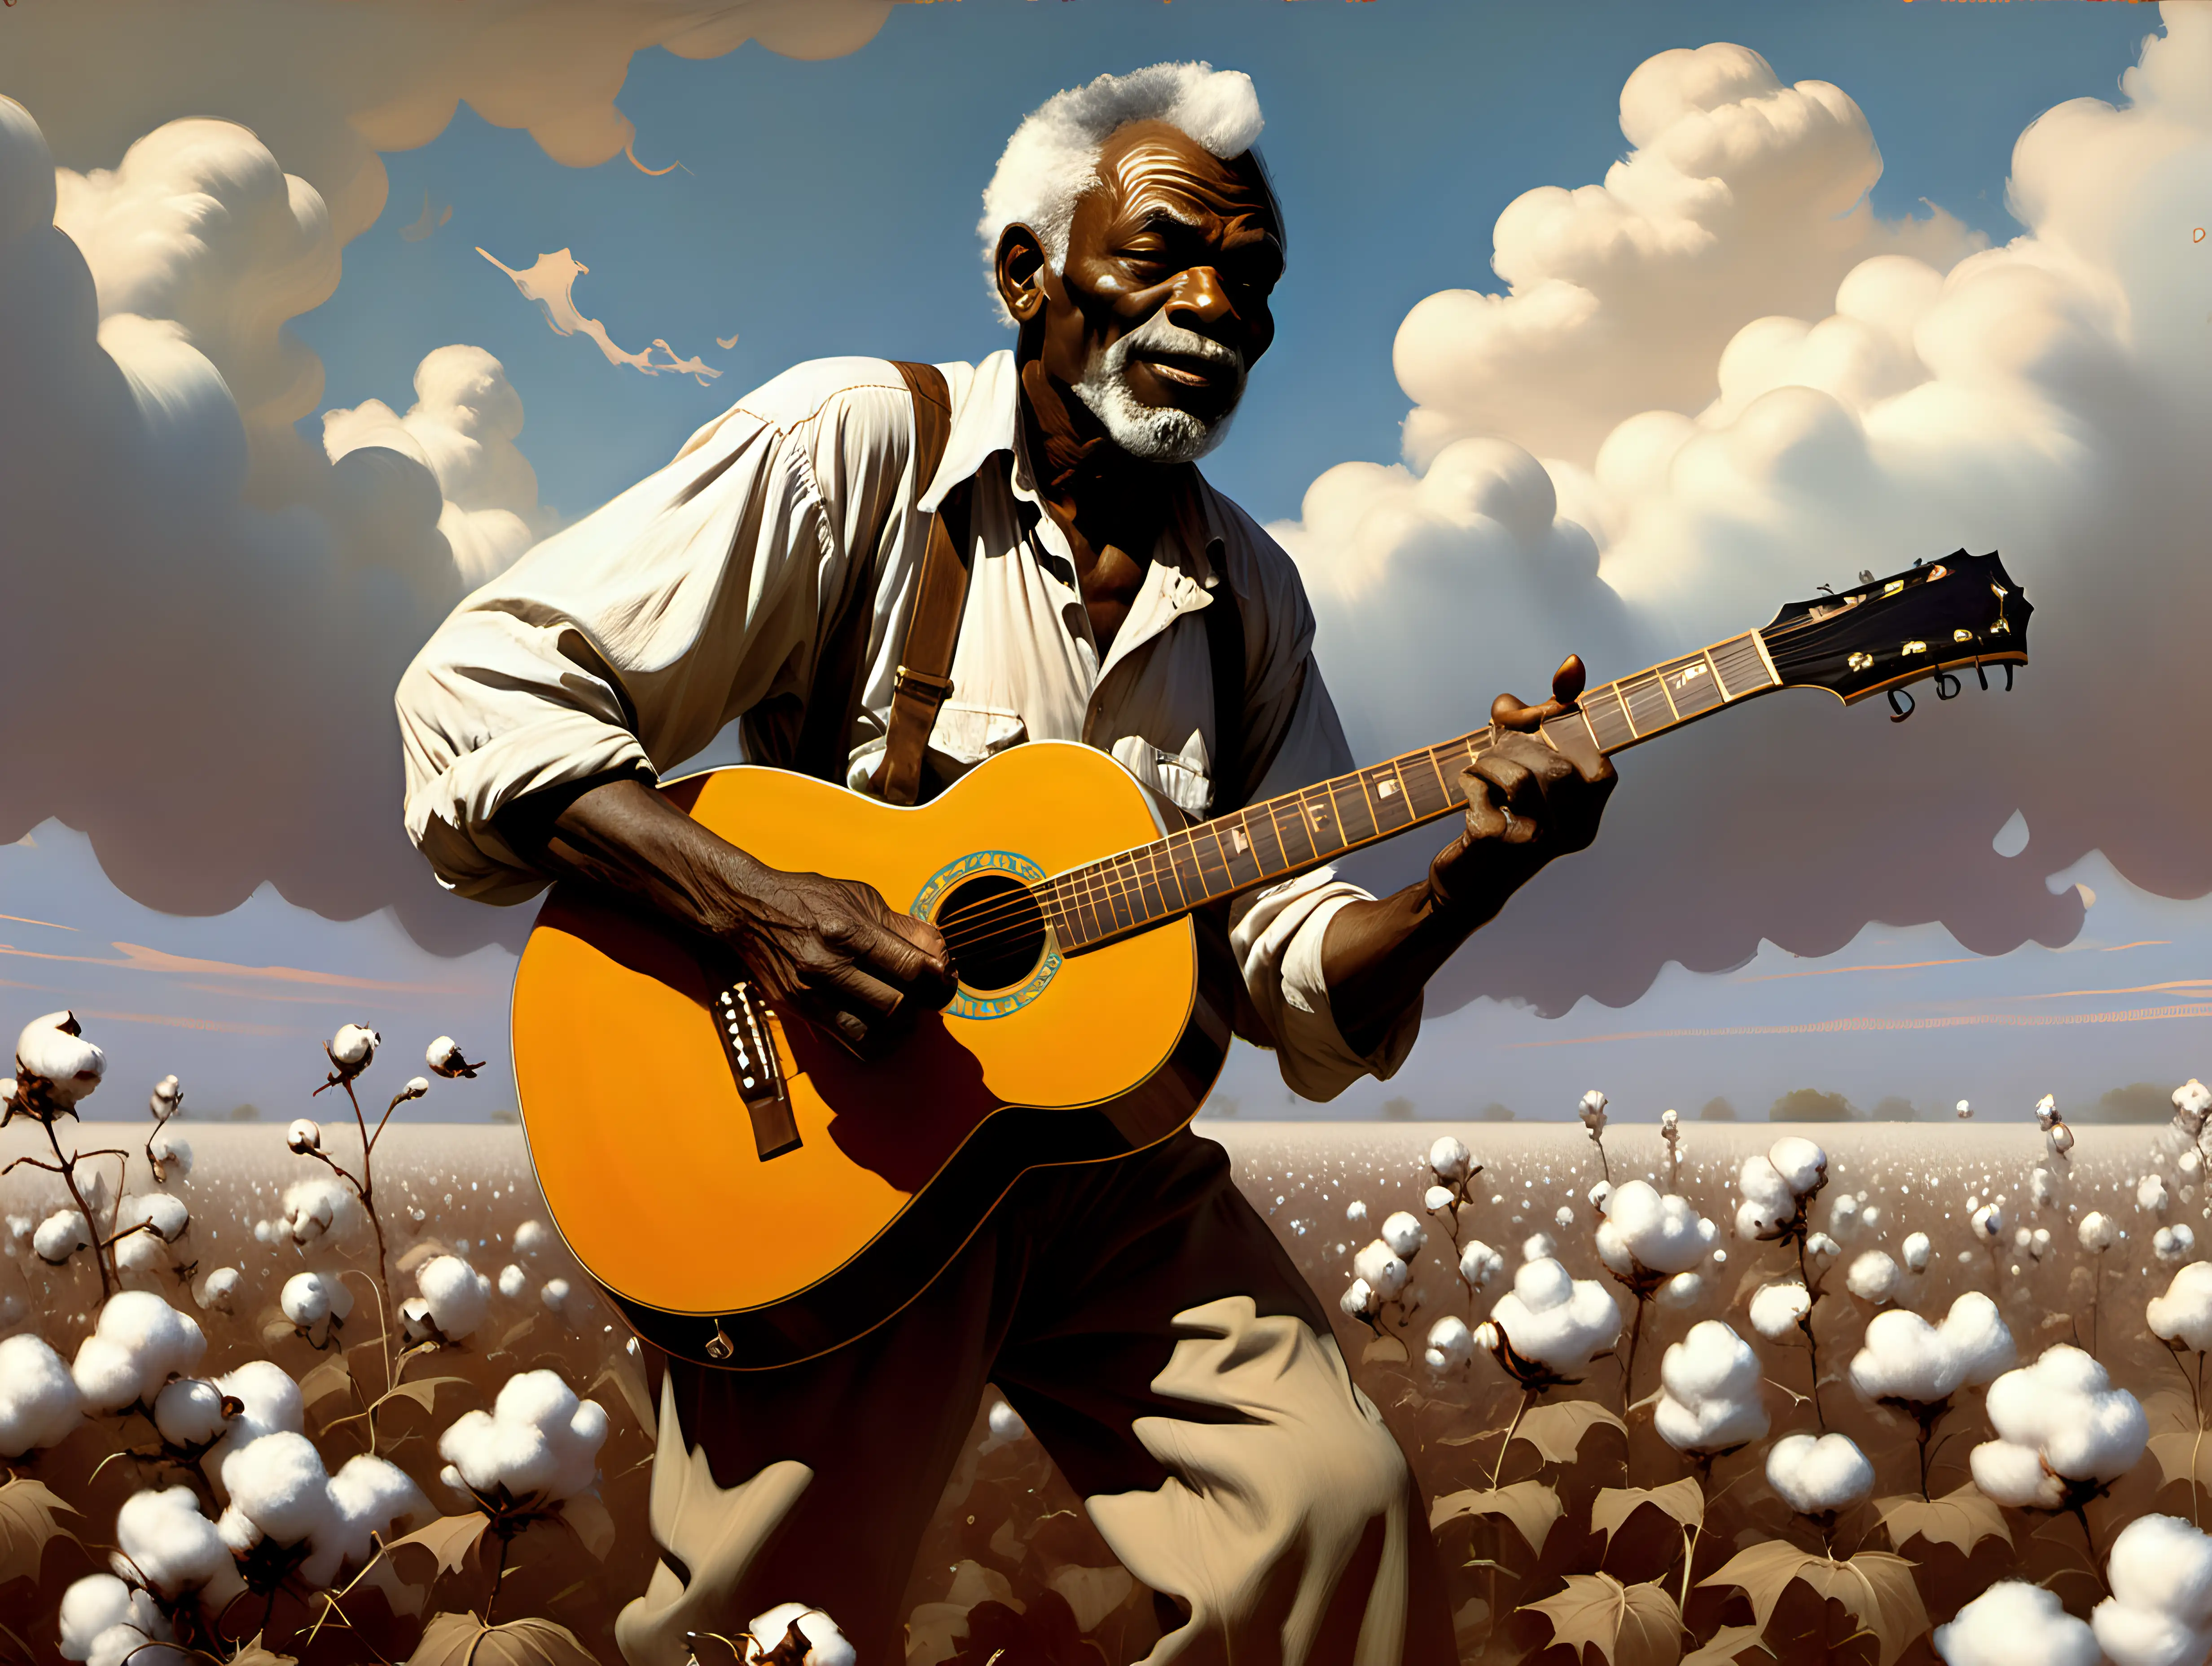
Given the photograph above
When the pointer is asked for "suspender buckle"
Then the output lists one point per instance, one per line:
(925, 686)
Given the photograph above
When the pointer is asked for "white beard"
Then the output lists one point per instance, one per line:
(1157, 434)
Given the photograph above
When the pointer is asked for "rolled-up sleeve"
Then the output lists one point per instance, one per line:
(629, 640)
(1276, 933)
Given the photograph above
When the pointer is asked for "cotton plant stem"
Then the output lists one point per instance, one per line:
(1812, 1345)
(69, 1179)
(1512, 1428)
(2096, 1562)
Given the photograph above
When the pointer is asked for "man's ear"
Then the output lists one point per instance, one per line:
(1019, 267)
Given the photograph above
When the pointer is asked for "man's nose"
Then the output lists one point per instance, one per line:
(1200, 298)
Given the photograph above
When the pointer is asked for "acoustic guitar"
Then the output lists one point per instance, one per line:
(750, 1195)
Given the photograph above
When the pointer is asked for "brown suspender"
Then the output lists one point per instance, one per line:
(924, 676)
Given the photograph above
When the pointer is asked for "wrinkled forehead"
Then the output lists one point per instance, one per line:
(1149, 167)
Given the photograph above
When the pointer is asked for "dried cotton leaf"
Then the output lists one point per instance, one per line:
(28, 1509)
(1557, 1432)
(1962, 1518)
(462, 1639)
(1630, 1625)
(1530, 1505)
(1682, 1499)
(1728, 1643)
(1383, 1351)
(450, 1539)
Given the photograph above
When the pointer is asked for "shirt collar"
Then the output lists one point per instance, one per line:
(986, 421)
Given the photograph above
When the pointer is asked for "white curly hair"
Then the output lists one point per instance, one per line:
(1053, 157)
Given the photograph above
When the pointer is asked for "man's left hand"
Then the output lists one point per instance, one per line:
(1526, 801)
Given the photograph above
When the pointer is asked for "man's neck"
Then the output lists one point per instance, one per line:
(1101, 497)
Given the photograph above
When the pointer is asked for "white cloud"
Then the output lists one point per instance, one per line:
(1739, 396)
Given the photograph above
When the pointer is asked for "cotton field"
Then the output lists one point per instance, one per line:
(334, 1390)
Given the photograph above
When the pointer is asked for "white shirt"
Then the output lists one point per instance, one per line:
(699, 596)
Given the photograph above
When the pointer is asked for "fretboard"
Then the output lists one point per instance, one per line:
(1275, 839)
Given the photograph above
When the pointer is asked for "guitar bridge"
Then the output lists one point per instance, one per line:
(754, 1067)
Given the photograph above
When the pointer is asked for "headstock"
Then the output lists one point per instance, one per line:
(1930, 620)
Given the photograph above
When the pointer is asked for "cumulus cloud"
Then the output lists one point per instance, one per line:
(162, 504)
(1717, 380)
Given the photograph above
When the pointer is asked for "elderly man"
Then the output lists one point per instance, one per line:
(1139, 1314)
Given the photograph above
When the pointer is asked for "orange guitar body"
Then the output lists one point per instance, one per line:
(642, 1091)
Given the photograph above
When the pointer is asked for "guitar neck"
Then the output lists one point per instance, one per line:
(1270, 840)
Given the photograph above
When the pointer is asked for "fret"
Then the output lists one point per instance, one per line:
(1110, 876)
(1690, 686)
(1096, 915)
(1266, 839)
(1288, 814)
(1321, 821)
(1164, 865)
(1188, 876)
(1424, 804)
(1648, 710)
(1740, 668)
(1212, 860)
(1385, 791)
(1070, 889)
(1608, 718)
(1355, 820)
(1236, 846)
(1155, 901)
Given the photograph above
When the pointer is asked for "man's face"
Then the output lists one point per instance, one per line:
(1161, 306)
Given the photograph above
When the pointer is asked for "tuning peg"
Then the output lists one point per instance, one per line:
(1901, 710)
(2008, 677)
(1947, 686)
(1866, 575)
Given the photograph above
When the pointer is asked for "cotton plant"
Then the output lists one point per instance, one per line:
(107, 1622)
(1819, 1477)
(527, 1459)
(1382, 1273)
(1906, 1364)
(1708, 1393)
(1777, 1189)
(1783, 1311)
(1592, 1112)
(1453, 1172)
(55, 1068)
(1670, 1133)
(1549, 1326)
(2159, 1611)
(2014, 1623)
(165, 1545)
(2064, 1434)
(288, 1516)
(2181, 1318)
(1645, 1239)
(2097, 1233)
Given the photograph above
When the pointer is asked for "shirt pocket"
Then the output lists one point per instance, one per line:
(1183, 780)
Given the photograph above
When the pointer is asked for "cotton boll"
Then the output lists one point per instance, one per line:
(173, 1152)
(1562, 1218)
(1359, 1300)
(53, 1052)
(554, 1293)
(175, 1549)
(1405, 1234)
(1681, 1291)
(2150, 1194)
(1449, 1161)
(188, 1413)
(1451, 1345)
(138, 1343)
(1802, 1165)
(537, 1442)
(2193, 1099)
(1814, 1475)
(1915, 1249)
(2058, 1420)
(458, 1295)
(2159, 1613)
(268, 1404)
(1821, 1247)
(1646, 1231)
(2173, 1244)
(1988, 1223)
(306, 1300)
(1355, 1214)
(1380, 1266)
(1537, 1246)
(1873, 1277)
(320, 1207)
(1555, 1319)
(2043, 1186)
(60, 1236)
(1479, 1263)
(218, 1290)
(2182, 1314)
(2014, 1623)
(1776, 1310)
(354, 1046)
(2096, 1233)
(1709, 1399)
(103, 1620)
(415, 1321)
(444, 1056)
(40, 1406)
(1006, 1424)
(278, 1489)
(1768, 1203)
(306, 1134)
(366, 1496)
(1592, 1111)
(1438, 1199)
(825, 1643)
(1906, 1357)
(513, 1281)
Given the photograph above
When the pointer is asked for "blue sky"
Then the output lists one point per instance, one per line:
(828, 208)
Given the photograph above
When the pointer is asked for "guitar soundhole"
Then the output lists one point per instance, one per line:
(995, 930)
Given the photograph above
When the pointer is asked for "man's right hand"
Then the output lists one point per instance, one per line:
(832, 950)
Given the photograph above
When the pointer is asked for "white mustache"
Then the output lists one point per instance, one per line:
(1161, 334)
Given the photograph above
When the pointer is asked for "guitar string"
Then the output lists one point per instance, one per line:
(1012, 916)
